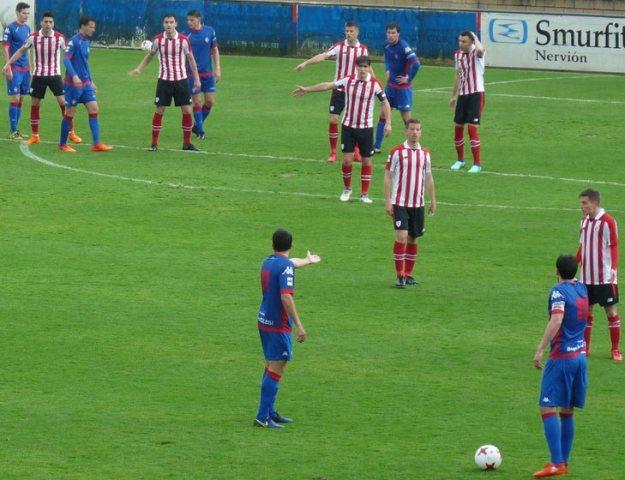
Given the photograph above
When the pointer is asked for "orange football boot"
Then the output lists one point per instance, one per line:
(101, 147)
(66, 148)
(74, 138)
(34, 139)
(552, 470)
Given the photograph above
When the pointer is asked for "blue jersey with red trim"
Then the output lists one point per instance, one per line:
(400, 60)
(277, 276)
(15, 34)
(569, 298)
(203, 41)
(78, 55)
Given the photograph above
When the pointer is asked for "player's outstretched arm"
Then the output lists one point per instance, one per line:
(479, 48)
(310, 259)
(316, 59)
(319, 87)
(429, 186)
(289, 305)
(555, 321)
(144, 63)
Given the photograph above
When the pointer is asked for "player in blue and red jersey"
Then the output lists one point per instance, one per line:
(205, 50)
(276, 317)
(18, 77)
(79, 87)
(402, 65)
(564, 379)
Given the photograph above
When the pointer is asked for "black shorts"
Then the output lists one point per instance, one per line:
(469, 108)
(411, 219)
(337, 102)
(38, 86)
(363, 137)
(179, 90)
(605, 294)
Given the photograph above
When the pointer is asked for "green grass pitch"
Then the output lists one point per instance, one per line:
(128, 304)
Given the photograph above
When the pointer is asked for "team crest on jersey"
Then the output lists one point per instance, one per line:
(206, 40)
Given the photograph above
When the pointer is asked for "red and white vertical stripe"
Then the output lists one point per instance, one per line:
(346, 56)
(408, 167)
(172, 53)
(471, 69)
(597, 237)
(359, 100)
(47, 52)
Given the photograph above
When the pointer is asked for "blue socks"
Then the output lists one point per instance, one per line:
(567, 426)
(205, 112)
(94, 124)
(268, 392)
(14, 115)
(379, 134)
(198, 118)
(551, 423)
(66, 126)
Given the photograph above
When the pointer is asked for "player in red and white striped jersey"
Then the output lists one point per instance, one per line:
(408, 174)
(345, 52)
(47, 45)
(357, 125)
(173, 50)
(468, 97)
(598, 256)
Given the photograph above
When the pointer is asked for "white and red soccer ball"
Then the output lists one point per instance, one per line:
(488, 457)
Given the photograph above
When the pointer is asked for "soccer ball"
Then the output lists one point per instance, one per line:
(488, 457)
(146, 45)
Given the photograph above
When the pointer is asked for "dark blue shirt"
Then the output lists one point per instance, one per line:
(400, 61)
(203, 41)
(15, 34)
(277, 276)
(569, 298)
(77, 59)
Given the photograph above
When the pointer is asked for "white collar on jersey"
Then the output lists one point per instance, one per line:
(42, 34)
(357, 44)
(366, 79)
(600, 214)
(172, 38)
(407, 145)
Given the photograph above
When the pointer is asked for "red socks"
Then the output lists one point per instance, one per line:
(614, 324)
(333, 134)
(34, 119)
(399, 253)
(365, 178)
(347, 176)
(475, 143)
(459, 141)
(157, 122)
(187, 124)
(411, 257)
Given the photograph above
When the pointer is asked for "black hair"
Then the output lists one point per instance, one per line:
(85, 19)
(363, 59)
(168, 15)
(351, 23)
(282, 240)
(47, 15)
(413, 121)
(393, 26)
(21, 6)
(194, 13)
(567, 266)
(593, 195)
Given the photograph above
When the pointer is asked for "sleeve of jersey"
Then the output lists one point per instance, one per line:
(613, 243)
(428, 161)
(155, 44)
(414, 68)
(379, 91)
(69, 54)
(6, 35)
(341, 82)
(332, 52)
(556, 302)
(287, 281)
(185, 47)
(29, 41)
(391, 160)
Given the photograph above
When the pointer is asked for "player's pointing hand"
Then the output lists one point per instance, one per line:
(300, 67)
(134, 72)
(312, 258)
(299, 91)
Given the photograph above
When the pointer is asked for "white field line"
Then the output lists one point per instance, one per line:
(583, 181)
(28, 153)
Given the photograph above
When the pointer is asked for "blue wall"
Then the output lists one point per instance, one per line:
(268, 28)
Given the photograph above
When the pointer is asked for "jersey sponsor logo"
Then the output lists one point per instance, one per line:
(507, 30)
(555, 295)
(285, 354)
(546, 399)
(288, 271)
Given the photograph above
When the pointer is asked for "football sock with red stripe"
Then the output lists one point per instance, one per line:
(551, 423)
(411, 257)
(614, 323)
(157, 123)
(34, 119)
(459, 141)
(365, 178)
(399, 254)
(19, 114)
(197, 117)
(94, 125)
(475, 144)
(205, 112)
(347, 176)
(588, 333)
(187, 124)
(66, 126)
(567, 427)
(268, 393)
(71, 126)
(333, 134)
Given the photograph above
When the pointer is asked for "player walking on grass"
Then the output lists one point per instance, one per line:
(468, 97)
(205, 51)
(276, 316)
(598, 257)
(564, 380)
(408, 174)
(345, 53)
(357, 126)
(79, 87)
(47, 45)
(172, 48)
(18, 77)
(402, 65)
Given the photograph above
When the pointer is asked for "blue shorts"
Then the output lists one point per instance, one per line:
(564, 383)
(276, 346)
(74, 95)
(20, 84)
(399, 98)
(208, 85)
